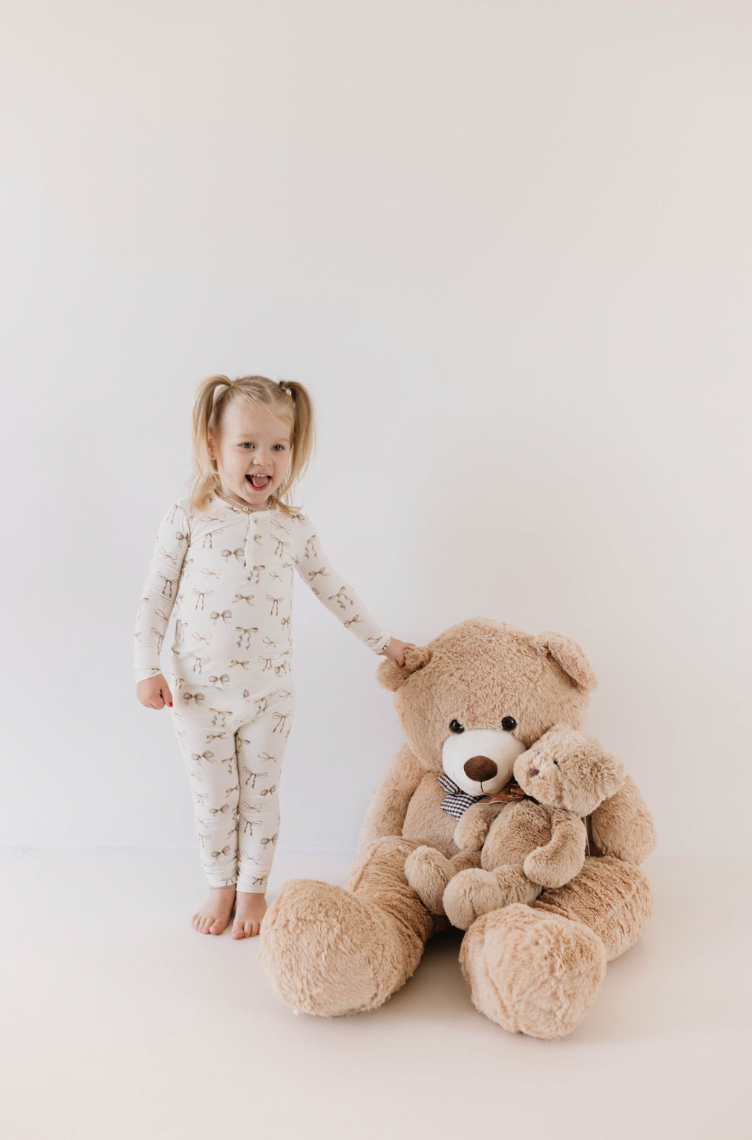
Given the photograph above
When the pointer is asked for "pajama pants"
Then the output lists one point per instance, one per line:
(233, 745)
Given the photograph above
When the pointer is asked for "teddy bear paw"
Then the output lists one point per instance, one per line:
(531, 971)
(471, 831)
(470, 894)
(428, 873)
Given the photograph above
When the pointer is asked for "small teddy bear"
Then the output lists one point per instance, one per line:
(523, 845)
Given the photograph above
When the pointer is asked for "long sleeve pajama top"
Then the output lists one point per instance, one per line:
(228, 573)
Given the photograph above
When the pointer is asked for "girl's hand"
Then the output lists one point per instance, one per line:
(395, 650)
(154, 692)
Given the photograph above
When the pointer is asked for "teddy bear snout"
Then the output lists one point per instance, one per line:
(480, 768)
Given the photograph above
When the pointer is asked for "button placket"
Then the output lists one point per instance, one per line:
(248, 561)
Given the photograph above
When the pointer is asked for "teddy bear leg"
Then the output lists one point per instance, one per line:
(516, 887)
(428, 872)
(469, 894)
(331, 951)
(610, 896)
(536, 969)
(477, 892)
(532, 972)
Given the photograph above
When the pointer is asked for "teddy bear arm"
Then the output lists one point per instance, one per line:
(472, 827)
(622, 826)
(390, 799)
(563, 856)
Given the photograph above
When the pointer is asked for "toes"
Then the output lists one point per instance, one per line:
(239, 928)
(247, 928)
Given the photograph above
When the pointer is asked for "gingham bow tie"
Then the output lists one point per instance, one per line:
(457, 802)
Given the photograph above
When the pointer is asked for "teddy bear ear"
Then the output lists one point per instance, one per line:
(390, 675)
(613, 775)
(569, 656)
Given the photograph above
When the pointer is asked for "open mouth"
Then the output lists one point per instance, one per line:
(259, 482)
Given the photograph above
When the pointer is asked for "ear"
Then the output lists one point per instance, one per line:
(391, 676)
(569, 656)
(612, 775)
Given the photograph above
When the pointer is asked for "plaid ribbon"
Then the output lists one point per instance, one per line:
(457, 802)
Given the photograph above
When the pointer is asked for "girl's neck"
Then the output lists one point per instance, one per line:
(236, 502)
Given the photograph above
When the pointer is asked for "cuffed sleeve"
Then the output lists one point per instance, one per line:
(334, 592)
(159, 592)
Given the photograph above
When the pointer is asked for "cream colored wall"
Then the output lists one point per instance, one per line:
(507, 246)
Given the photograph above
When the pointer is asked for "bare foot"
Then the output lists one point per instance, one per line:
(214, 914)
(249, 912)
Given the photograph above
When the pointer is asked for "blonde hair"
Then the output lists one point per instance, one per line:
(286, 399)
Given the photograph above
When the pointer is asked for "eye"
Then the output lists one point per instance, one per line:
(455, 726)
(508, 723)
(247, 445)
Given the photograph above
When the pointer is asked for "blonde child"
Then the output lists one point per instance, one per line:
(224, 560)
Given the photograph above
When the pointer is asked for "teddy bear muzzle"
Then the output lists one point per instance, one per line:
(480, 768)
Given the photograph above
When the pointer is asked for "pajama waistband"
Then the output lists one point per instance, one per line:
(235, 694)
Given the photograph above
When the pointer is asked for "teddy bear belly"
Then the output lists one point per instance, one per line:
(426, 821)
(517, 831)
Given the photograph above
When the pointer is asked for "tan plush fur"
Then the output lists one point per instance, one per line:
(534, 968)
(525, 846)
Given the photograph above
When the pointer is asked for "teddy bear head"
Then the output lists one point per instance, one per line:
(482, 693)
(569, 770)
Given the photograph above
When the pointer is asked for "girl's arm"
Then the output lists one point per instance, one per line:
(333, 592)
(159, 592)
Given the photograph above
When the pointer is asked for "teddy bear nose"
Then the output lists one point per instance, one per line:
(532, 773)
(480, 768)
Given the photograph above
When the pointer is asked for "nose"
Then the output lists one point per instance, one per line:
(480, 768)
(532, 773)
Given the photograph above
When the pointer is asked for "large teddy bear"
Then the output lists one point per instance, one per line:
(471, 702)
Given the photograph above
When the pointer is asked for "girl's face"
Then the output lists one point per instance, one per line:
(252, 453)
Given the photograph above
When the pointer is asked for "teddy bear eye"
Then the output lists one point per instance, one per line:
(508, 723)
(455, 726)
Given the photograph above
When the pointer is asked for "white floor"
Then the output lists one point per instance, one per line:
(119, 1021)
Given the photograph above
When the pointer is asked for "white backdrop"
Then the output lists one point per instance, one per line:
(506, 245)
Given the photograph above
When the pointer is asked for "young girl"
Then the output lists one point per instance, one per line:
(224, 558)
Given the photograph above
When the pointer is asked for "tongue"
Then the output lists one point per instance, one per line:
(259, 481)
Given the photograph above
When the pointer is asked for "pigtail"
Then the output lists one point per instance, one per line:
(303, 432)
(205, 413)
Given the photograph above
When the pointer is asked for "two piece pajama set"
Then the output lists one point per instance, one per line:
(228, 573)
